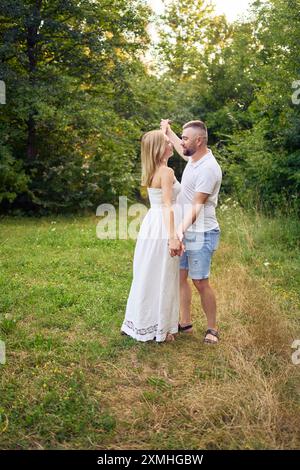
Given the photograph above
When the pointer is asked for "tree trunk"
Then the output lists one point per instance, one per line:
(32, 42)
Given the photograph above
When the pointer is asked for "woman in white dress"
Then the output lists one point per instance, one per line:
(152, 310)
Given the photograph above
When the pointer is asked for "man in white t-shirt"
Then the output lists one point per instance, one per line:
(199, 230)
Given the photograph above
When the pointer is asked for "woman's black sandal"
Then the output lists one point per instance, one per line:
(212, 332)
(185, 328)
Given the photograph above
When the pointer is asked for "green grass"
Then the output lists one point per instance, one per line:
(71, 380)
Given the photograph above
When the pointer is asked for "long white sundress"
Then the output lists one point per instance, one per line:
(153, 304)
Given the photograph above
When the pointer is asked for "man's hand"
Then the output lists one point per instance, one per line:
(182, 249)
(165, 125)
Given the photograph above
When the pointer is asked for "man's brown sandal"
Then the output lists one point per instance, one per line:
(212, 332)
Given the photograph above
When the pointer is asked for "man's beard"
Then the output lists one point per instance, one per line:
(189, 152)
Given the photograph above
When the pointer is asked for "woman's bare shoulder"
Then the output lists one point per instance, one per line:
(166, 171)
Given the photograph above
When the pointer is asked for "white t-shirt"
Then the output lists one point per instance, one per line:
(202, 176)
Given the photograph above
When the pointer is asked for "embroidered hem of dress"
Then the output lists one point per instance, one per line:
(147, 334)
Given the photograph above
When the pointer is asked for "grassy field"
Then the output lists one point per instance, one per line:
(72, 381)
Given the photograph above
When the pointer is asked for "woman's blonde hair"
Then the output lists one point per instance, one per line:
(152, 150)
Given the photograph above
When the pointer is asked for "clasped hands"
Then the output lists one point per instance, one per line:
(165, 125)
(176, 246)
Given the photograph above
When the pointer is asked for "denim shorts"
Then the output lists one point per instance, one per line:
(199, 248)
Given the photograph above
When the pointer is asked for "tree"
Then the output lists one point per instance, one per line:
(66, 65)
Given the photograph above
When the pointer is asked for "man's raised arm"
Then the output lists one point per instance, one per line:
(166, 128)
